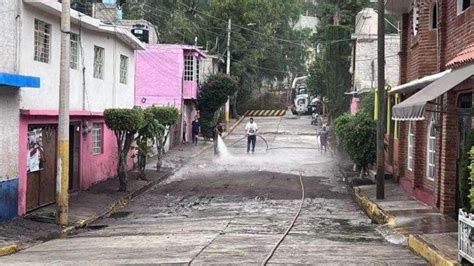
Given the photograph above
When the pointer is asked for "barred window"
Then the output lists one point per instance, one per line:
(188, 67)
(99, 62)
(74, 57)
(431, 149)
(97, 138)
(123, 69)
(415, 18)
(42, 41)
(197, 71)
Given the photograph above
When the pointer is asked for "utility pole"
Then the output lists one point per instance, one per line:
(62, 175)
(381, 100)
(227, 104)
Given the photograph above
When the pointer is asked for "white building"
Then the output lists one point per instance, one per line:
(364, 54)
(101, 76)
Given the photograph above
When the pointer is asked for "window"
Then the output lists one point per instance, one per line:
(411, 140)
(96, 138)
(463, 5)
(123, 69)
(431, 149)
(98, 62)
(415, 18)
(74, 59)
(188, 67)
(42, 41)
(434, 16)
(197, 71)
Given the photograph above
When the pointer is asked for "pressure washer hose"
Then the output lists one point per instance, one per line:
(272, 252)
(264, 140)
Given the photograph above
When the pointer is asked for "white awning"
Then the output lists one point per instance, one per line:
(418, 83)
(413, 108)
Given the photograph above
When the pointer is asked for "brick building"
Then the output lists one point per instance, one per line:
(433, 118)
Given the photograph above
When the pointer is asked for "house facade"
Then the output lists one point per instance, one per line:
(12, 82)
(436, 86)
(101, 76)
(169, 74)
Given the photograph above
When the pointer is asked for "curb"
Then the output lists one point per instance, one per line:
(373, 211)
(114, 206)
(8, 249)
(418, 246)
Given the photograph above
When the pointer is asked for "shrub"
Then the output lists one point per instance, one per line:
(357, 135)
(125, 123)
(214, 93)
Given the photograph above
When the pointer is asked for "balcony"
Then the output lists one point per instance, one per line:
(190, 90)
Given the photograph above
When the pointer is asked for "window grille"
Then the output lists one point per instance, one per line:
(98, 62)
(97, 138)
(42, 41)
(123, 69)
(188, 67)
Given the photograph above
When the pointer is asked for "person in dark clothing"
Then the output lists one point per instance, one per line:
(323, 139)
(218, 130)
(196, 128)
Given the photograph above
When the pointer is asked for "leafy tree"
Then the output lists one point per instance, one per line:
(150, 130)
(264, 48)
(330, 75)
(214, 93)
(125, 123)
(465, 175)
(367, 101)
(357, 134)
(166, 116)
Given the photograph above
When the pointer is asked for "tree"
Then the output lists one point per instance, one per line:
(357, 134)
(329, 75)
(166, 116)
(214, 93)
(257, 55)
(149, 131)
(125, 123)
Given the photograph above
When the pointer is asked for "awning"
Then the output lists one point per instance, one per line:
(418, 83)
(413, 108)
(14, 80)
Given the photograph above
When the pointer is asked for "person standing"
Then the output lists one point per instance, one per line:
(196, 128)
(323, 139)
(185, 128)
(251, 132)
(218, 130)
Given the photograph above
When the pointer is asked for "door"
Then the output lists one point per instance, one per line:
(74, 153)
(41, 169)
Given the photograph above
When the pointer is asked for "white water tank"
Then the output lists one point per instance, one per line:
(366, 22)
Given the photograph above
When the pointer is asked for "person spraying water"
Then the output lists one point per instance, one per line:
(251, 132)
(218, 130)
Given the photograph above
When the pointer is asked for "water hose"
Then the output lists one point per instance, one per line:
(272, 252)
(264, 140)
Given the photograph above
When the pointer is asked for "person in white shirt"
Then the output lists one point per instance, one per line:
(251, 133)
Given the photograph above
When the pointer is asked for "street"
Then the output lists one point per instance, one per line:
(234, 209)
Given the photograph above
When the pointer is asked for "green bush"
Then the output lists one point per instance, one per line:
(367, 101)
(357, 135)
(213, 94)
(125, 123)
(465, 175)
(150, 130)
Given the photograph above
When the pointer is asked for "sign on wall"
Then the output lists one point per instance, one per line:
(35, 153)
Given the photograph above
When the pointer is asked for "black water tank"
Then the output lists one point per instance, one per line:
(141, 32)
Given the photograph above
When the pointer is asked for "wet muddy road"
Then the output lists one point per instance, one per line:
(233, 209)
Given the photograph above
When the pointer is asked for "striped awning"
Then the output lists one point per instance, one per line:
(414, 107)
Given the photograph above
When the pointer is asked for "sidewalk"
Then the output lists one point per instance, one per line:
(94, 203)
(428, 233)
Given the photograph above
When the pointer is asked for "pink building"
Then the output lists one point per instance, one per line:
(169, 74)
